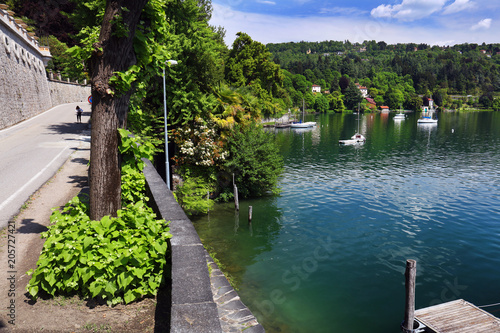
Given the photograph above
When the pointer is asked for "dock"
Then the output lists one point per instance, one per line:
(457, 316)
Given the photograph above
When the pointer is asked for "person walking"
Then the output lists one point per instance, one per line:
(78, 114)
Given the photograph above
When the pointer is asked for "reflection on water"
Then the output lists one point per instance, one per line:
(328, 254)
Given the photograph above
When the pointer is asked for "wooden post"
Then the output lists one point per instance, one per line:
(208, 200)
(410, 277)
(236, 202)
(249, 214)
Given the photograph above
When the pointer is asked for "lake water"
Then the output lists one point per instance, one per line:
(328, 254)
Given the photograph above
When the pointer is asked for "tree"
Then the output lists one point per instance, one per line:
(255, 160)
(249, 63)
(321, 103)
(394, 99)
(496, 104)
(112, 53)
(344, 83)
(335, 102)
(352, 96)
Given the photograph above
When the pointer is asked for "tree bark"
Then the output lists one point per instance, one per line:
(113, 53)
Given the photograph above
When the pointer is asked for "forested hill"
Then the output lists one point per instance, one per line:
(465, 69)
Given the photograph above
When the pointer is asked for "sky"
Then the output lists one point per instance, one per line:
(433, 22)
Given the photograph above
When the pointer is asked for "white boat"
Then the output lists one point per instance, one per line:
(427, 117)
(400, 115)
(356, 139)
(427, 120)
(303, 125)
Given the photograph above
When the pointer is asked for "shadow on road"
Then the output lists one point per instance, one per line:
(29, 227)
(72, 128)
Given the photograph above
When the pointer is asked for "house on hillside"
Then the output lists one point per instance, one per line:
(363, 90)
(316, 88)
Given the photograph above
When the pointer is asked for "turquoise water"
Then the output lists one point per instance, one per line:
(328, 254)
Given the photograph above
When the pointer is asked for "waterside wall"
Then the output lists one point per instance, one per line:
(200, 302)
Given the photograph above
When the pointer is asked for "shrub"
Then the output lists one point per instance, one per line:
(255, 160)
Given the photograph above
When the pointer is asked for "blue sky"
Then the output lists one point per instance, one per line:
(434, 22)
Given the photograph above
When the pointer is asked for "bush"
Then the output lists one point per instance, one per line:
(192, 196)
(116, 259)
(255, 160)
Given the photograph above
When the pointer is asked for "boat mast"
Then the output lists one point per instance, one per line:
(303, 109)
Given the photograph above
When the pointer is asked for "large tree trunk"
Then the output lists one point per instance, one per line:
(114, 52)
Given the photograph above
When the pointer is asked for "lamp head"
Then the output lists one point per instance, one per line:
(171, 62)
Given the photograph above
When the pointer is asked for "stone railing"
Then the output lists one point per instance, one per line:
(60, 77)
(18, 28)
(193, 307)
(200, 302)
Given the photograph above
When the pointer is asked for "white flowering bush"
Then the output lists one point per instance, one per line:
(198, 145)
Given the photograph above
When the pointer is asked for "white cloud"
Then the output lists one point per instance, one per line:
(342, 11)
(408, 10)
(458, 6)
(482, 25)
(277, 29)
(266, 2)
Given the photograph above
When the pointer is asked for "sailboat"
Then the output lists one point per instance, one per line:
(400, 115)
(303, 124)
(356, 139)
(427, 117)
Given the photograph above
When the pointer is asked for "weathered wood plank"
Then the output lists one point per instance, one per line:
(458, 316)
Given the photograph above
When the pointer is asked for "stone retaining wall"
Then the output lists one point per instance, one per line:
(67, 92)
(193, 306)
(24, 89)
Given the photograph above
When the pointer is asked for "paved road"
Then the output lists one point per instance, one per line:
(32, 152)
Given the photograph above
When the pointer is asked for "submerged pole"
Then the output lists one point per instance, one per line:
(235, 194)
(410, 277)
(249, 214)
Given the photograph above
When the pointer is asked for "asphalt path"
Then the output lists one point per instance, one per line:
(33, 151)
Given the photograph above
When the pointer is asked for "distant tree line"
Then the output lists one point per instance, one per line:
(396, 74)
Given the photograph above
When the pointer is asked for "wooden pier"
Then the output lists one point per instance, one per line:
(457, 317)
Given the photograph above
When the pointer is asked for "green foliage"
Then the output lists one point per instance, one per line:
(58, 52)
(115, 259)
(133, 150)
(496, 104)
(409, 68)
(192, 195)
(76, 65)
(234, 106)
(249, 64)
(255, 160)
(352, 96)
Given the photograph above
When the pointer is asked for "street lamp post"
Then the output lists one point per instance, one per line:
(167, 164)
